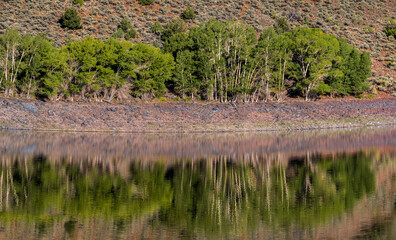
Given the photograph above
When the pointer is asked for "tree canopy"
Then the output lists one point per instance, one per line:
(214, 61)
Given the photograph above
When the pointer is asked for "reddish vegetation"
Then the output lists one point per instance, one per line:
(181, 116)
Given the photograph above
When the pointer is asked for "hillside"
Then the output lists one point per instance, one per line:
(360, 22)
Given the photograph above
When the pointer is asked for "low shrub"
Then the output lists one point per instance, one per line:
(188, 14)
(79, 2)
(70, 19)
(146, 2)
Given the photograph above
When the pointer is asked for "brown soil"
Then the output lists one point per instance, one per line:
(196, 117)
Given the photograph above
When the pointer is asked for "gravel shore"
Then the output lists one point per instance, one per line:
(196, 117)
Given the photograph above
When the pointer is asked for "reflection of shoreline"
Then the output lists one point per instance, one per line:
(192, 146)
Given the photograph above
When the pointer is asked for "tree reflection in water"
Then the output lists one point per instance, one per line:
(220, 196)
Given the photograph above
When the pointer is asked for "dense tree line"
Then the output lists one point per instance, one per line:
(215, 61)
(225, 61)
(84, 69)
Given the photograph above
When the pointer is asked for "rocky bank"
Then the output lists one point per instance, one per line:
(196, 117)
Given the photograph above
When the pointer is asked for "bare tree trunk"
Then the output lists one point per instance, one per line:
(310, 86)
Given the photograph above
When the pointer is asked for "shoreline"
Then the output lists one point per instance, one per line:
(340, 124)
(176, 117)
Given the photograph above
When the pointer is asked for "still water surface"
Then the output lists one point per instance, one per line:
(309, 185)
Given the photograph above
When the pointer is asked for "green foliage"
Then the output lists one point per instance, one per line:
(390, 30)
(185, 80)
(219, 198)
(188, 14)
(208, 196)
(85, 194)
(350, 72)
(223, 61)
(154, 68)
(174, 36)
(125, 30)
(119, 34)
(83, 69)
(156, 28)
(313, 53)
(125, 25)
(21, 59)
(130, 34)
(281, 26)
(174, 27)
(79, 2)
(199, 56)
(146, 2)
(70, 19)
(220, 61)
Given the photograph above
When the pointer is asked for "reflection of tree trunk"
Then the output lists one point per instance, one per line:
(26, 169)
(308, 159)
(1, 191)
(286, 189)
(308, 185)
(13, 187)
(268, 183)
(182, 182)
(7, 192)
(281, 180)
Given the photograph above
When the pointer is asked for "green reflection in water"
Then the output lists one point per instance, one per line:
(310, 192)
(229, 198)
(41, 190)
(217, 197)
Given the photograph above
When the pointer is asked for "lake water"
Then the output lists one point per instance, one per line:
(305, 185)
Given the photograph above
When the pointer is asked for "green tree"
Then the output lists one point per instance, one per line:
(223, 53)
(281, 25)
(70, 19)
(125, 30)
(390, 28)
(350, 72)
(173, 27)
(119, 34)
(174, 37)
(313, 53)
(31, 68)
(281, 59)
(153, 69)
(125, 25)
(156, 28)
(390, 31)
(19, 61)
(54, 83)
(263, 54)
(188, 14)
(184, 75)
(130, 34)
